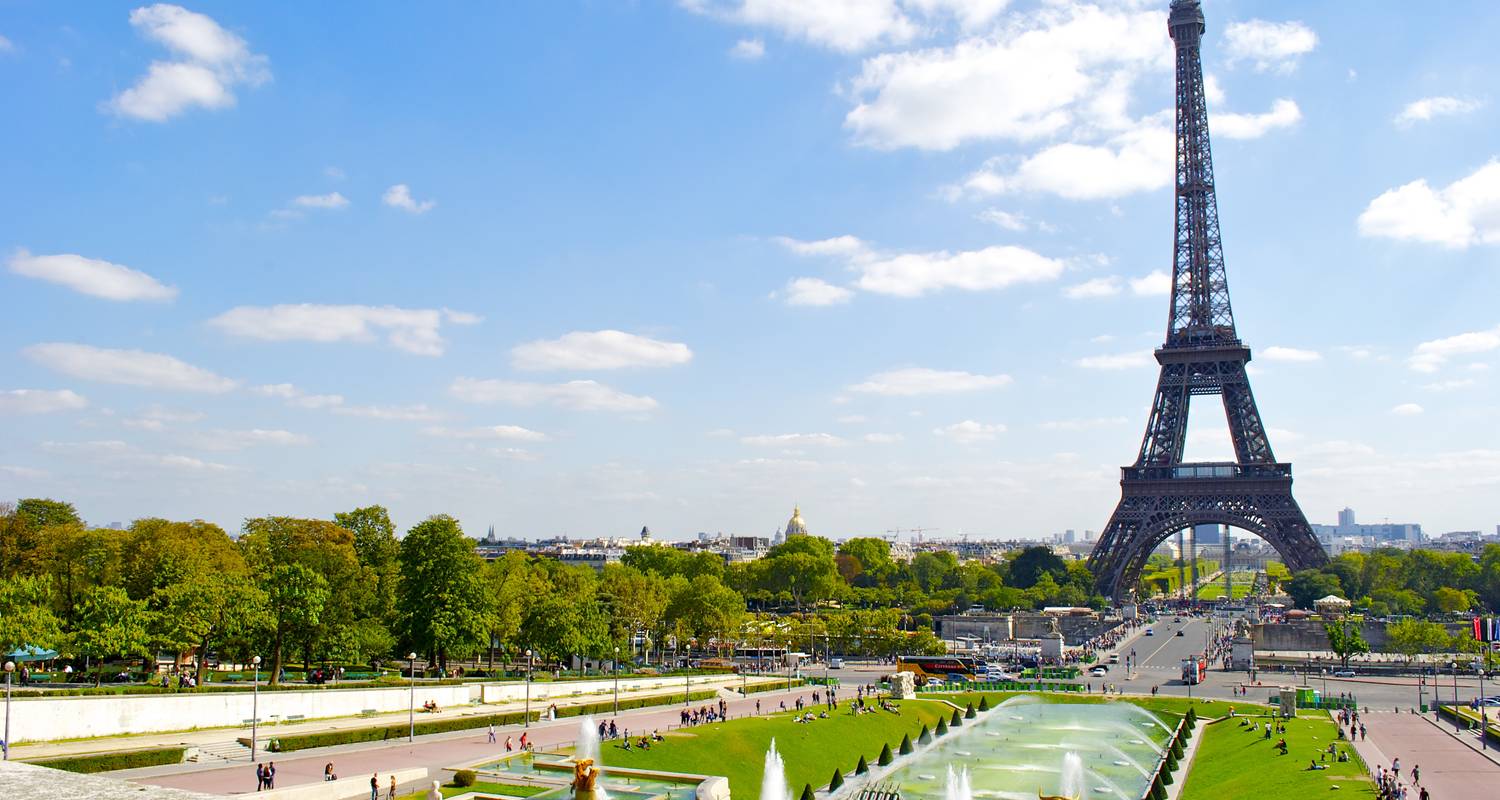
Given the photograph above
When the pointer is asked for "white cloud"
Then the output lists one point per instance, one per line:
(815, 292)
(413, 413)
(590, 350)
(156, 418)
(214, 61)
(849, 247)
(23, 473)
(793, 440)
(748, 49)
(1429, 356)
(1153, 284)
(332, 200)
(1429, 108)
(845, 25)
(969, 431)
(414, 330)
(916, 274)
(1137, 160)
(1066, 66)
(1450, 385)
(1269, 45)
(575, 395)
(128, 367)
(1283, 114)
(1290, 354)
(852, 419)
(882, 438)
(995, 267)
(298, 398)
(1004, 219)
(513, 433)
(1116, 361)
(1213, 92)
(399, 196)
(914, 381)
(6, 46)
(40, 401)
(91, 276)
(1464, 213)
(1407, 410)
(228, 440)
(1108, 286)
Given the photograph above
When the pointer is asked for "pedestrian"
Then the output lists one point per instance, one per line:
(508, 748)
(1396, 767)
(271, 775)
(1416, 773)
(328, 772)
(374, 787)
(260, 777)
(392, 794)
(492, 733)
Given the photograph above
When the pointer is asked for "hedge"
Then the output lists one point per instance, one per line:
(108, 762)
(287, 744)
(776, 686)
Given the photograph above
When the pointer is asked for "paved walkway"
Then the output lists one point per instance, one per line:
(438, 750)
(1450, 769)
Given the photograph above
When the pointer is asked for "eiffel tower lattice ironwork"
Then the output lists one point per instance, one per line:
(1161, 494)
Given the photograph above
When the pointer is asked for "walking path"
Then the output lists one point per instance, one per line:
(436, 751)
(1450, 769)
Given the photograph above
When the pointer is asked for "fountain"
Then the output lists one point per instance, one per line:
(586, 755)
(958, 786)
(773, 780)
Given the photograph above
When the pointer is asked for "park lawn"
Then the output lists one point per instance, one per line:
(1232, 762)
(737, 749)
(1216, 590)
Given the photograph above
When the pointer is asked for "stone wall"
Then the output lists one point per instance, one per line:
(49, 718)
(1008, 627)
(1308, 634)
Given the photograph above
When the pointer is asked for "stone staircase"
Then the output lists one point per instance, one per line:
(220, 751)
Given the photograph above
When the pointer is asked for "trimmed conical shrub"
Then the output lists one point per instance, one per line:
(925, 737)
(1166, 778)
(956, 720)
(1192, 714)
(807, 792)
(885, 756)
(1158, 791)
(906, 747)
(970, 713)
(942, 728)
(1176, 748)
(1171, 761)
(837, 781)
(861, 768)
(984, 703)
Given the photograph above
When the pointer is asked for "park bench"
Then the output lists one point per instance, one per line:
(368, 712)
(295, 717)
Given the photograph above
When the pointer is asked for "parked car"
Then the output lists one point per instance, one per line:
(1344, 673)
(934, 681)
(1150, 631)
(1099, 672)
(1114, 658)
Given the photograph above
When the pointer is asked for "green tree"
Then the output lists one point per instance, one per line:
(442, 607)
(22, 536)
(706, 608)
(567, 618)
(1031, 564)
(637, 601)
(1450, 600)
(1412, 637)
(110, 624)
(1310, 585)
(26, 616)
(296, 597)
(1346, 639)
(325, 548)
(195, 582)
(378, 553)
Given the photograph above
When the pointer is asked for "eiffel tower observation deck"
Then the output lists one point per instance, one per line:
(1160, 493)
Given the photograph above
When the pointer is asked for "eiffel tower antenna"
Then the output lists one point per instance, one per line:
(1161, 494)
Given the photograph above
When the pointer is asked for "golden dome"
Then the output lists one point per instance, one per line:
(795, 526)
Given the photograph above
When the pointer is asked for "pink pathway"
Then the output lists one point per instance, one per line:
(1451, 770)
(443, 750)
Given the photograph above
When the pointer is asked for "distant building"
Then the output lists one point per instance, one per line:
(1208, 534)
(795, 526)
(1346, 518)
(645, 535)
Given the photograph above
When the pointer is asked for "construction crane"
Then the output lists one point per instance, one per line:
(920, 530)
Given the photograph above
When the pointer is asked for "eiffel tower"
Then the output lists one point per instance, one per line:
(1161, 494)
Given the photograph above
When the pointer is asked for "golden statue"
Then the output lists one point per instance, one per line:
(585, 775)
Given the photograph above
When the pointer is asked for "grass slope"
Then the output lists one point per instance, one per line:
(736, 749)
(1232, 762)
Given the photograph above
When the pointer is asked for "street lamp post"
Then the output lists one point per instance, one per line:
(1484, 724)
(526, 723)
(10, 668)
(1457, 720)
(411, 706)
(617, 680)
(254, 706)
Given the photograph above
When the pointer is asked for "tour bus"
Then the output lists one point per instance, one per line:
(760, 659)
(1194, 669)
(944, 668)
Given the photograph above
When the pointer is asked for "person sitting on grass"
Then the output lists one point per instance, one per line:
(1281, 745)
(656, 736)
(644, 743)
(625, 745)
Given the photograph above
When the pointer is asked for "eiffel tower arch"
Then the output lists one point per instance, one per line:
(1202, 356)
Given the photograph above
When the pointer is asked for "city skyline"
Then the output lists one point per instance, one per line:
(571, 270)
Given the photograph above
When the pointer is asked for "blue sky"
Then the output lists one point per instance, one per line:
(576, 267)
